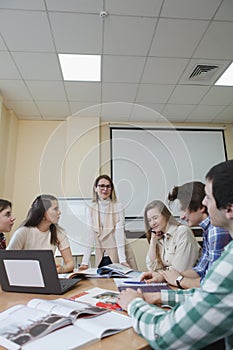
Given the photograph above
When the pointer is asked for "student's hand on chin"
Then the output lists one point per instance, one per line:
(128, 295)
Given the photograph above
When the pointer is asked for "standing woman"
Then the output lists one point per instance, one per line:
(171, 244)
(106, 223)
(40, 230)
(6, 220)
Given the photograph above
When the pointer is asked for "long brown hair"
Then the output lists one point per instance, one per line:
(36, 214)
(165, 212)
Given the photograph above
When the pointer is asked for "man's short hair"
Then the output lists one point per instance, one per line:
(221, 176)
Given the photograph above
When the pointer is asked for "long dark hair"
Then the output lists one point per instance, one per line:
(95, 194)
(4, 204)
(36, 214)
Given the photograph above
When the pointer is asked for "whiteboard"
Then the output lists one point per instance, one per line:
(73, 220)
(147, 163)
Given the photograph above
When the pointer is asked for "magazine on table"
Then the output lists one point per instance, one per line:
(99, 297)
(22, 325)
(117, 270)
(88, 273)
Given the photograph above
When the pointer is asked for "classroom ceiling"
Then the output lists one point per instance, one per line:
(149, 50)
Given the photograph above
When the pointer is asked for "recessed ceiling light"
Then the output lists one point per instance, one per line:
(80, 67)
(226, 78)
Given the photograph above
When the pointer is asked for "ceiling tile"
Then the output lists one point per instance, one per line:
(191, 94)
(8, 69)
(145, 114)
(204, 111)
(122, 68)
(225, 12)
(38, 66)
(46, 90)
(79, 33)
(25, 108)
(2, 45)
(83, 91)
(32, 32)
(118, 92)
(150, 93)
(217, 42)
(23, 4)
(116, 111)
(218, 95)
(128, 35)
(88, 6)
(226, 114)
(53, 108)
(14, 90)
(163, 70)
(177, 37)
(91, 109)
(134, 7)
(180, 112)
(202, 9)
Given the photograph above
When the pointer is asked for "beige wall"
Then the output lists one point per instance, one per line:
(61, 158)
(8, 144)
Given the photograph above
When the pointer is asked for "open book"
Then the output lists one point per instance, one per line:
(99, 297)
(116, 270)
(22, 325)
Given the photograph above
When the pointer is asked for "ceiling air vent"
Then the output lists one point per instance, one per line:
(203, 72)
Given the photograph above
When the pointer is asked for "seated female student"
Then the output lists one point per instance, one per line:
(171, 244)
(40, 230)
(105, 224)
(6, 220)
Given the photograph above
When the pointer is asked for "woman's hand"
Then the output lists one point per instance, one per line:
(125, 264)
(128, 295)
(170, 275)
(60, 268)
(152, 277)
(83, 267)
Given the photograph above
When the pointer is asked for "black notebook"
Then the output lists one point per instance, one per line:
(31, 271)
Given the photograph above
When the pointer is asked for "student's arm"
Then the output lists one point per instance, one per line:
(187, 249)
(120, 235)
(89, 242)
(68, 261)
(191, 278)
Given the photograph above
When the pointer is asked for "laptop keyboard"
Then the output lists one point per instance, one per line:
(66, 283)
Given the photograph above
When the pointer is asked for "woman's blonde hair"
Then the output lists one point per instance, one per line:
(163, 210)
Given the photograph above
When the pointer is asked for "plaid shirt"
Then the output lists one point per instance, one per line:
(204, 317)
(2, 241)
(214, 241)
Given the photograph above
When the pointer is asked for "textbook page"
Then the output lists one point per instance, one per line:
(21, 324)
(83, 332)
(66, 307)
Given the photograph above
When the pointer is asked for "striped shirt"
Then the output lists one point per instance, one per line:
(2, 241)
(214, 241)
(201, 316)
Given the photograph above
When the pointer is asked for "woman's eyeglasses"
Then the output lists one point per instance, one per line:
(108, 187)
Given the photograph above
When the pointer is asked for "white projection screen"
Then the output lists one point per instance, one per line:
(147, 163)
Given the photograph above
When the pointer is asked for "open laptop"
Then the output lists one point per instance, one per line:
(32, 271)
